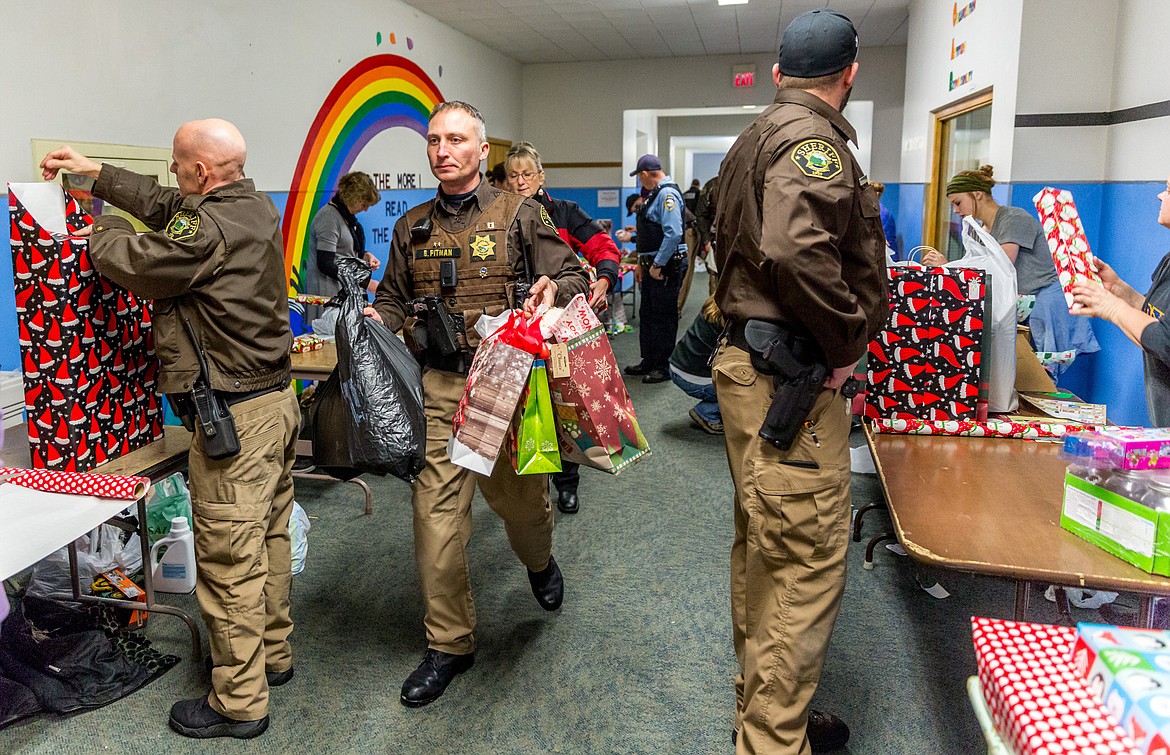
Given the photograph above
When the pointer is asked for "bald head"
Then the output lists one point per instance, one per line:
(207, 154)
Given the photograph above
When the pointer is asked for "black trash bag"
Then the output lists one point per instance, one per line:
(382, 385)
(329, 428)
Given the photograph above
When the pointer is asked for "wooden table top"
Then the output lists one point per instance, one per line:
(315, 365)
(155, 460)
(992, 506)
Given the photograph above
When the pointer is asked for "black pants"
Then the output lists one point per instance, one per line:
(658, 329)
(568, 478)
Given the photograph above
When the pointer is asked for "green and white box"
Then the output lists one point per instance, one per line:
(1125, 528)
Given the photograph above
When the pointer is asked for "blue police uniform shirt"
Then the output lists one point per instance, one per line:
(667, 211)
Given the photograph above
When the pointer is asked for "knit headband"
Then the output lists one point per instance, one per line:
(965, 182)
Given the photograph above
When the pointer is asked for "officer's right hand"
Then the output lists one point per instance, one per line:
(67, 159)
(839, 376)
(623, 236)
(372, 314)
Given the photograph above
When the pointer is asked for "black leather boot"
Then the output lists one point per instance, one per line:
(567, 501)
(196, 718)
(427, 683)
(826, 732)
(548, 586)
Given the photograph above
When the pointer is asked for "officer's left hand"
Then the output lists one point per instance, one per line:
(544, 291)
(839, 376)
(598, 290)
(656, 272)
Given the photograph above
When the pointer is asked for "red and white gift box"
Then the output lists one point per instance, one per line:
(1066, 238)
(1039, 703)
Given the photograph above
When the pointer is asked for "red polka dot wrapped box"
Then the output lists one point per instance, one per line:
(1129, 670)
(1039, 702)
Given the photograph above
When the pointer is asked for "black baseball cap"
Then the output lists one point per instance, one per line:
(647, 162)
(817, 43)
(630, 200)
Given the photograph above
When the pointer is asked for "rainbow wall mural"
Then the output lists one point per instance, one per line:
(379, 93)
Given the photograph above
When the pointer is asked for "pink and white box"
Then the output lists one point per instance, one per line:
(1039, 703)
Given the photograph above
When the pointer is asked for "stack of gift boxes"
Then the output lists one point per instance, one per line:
(1117, 493)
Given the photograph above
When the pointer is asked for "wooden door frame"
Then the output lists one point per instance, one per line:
(930, 223)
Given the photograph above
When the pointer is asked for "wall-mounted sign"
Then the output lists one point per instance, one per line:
(743, 76)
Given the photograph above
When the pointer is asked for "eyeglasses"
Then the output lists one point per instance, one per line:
(527, 175)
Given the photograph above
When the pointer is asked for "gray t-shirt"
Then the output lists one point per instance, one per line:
(328, 234)
(1034, 266)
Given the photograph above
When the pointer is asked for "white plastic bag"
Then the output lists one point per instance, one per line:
(298, 532)
(999, 345)
(101, 550)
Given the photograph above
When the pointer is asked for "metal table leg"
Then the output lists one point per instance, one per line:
(309, 474)
(1023, 593)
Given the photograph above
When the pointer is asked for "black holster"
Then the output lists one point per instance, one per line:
(206, 411)
(799, 370)
(441, 342)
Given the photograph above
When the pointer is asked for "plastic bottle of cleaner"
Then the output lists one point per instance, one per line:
(175, 570)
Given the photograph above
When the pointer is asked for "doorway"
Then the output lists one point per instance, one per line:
(962, 141)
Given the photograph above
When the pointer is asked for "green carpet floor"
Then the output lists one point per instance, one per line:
(638, 660)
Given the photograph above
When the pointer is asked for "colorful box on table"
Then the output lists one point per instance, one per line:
(597, 424)
(1128, 669)
(1039, 703)
(1129, 530)
(927, 362)
(1134, 448)
(1066, 239)
(87, 350)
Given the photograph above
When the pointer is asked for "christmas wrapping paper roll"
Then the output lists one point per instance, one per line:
(76, 483)
(968, 428)
(1066, 238)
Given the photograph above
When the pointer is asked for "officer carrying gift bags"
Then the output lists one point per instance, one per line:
(469, 251)
(802, 285)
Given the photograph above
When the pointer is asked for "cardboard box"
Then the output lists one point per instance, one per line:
(1038, 701)
(1125, 528)
(1129, 671)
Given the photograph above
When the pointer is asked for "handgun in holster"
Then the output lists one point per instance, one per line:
(799, 370)
(206, 411)
(441, 340)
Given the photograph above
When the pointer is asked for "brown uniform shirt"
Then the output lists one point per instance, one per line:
(549, 254)
(217, 256)
(799, 229)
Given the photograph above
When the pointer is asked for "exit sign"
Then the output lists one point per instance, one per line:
(743, 76)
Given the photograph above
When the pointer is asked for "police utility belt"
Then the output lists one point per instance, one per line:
(798, 369)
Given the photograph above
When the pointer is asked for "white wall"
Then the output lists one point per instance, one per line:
(1140, 151)
(992, 37)
(130, 72)
(573, 112)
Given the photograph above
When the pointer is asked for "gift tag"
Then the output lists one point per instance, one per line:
(558, 361)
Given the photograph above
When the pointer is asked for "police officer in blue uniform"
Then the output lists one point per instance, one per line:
(663, 257)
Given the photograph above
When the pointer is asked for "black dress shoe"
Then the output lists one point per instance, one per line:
(427, 682)
(567, 501)
(196, 718)
(826, 732)
(277, 678)
(656, 376)
(548, 586)
(637, 369)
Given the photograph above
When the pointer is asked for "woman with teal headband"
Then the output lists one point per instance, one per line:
(1022, 238)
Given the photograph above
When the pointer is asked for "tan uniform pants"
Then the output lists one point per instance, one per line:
(442, 520)
(788, 557)
(241, 507)
(691, 238)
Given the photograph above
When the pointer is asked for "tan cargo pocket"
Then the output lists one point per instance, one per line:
(802, 514)
(240, 488)
(735, 364)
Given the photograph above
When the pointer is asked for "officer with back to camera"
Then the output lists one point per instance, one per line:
(802, 281)
(467, 249)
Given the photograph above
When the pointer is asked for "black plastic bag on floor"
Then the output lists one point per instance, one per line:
(329, 428)
(381, 383)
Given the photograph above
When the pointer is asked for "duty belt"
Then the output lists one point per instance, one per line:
(231, 399)
(802, 347)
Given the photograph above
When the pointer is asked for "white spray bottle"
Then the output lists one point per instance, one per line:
(175, 570)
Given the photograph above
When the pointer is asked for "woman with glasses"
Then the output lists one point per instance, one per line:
(525, 175)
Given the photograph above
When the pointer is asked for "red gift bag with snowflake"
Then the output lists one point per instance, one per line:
(87, 351)
(597, 426)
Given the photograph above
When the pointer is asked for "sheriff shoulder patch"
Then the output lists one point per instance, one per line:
(483, 246)
(547, 220)
(184, 225)
(817, 158)
(669, 204)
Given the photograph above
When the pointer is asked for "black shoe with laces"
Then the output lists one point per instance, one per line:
(826, 732)
(427, 683)
(548, 585)
(196, 718)
(656, 376)
(637, 369)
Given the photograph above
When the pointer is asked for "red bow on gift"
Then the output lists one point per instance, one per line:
(523, 334)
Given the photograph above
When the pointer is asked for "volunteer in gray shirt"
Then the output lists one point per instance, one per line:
(1139, 317)
(336, 233)
(1053, 328)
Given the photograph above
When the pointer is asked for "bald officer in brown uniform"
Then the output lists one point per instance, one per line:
(465, 247)
(806, 259)
(215, 259)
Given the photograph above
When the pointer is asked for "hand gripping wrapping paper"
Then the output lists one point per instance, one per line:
(598, 427)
